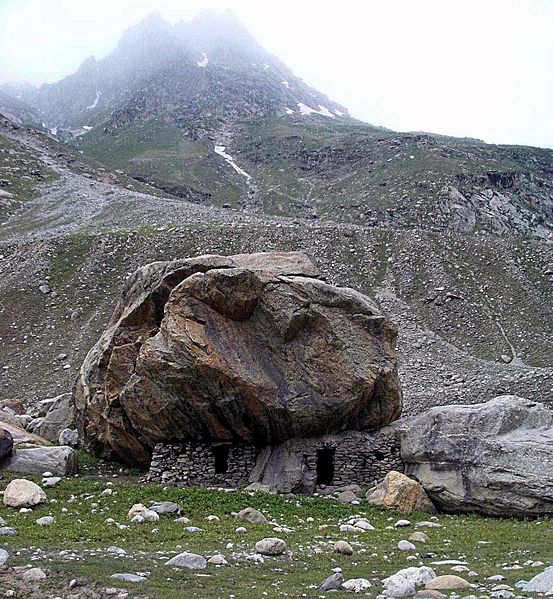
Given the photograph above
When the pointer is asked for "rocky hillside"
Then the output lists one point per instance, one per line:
(201, 111)
(197, 153)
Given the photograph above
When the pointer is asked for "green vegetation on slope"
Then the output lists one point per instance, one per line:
(153, 151)
(21, 172)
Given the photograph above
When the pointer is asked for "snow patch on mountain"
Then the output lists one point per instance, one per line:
(96, 100)
(230, 160)
(204, 61)
(306, 110)
(289, 110)
(286, 84)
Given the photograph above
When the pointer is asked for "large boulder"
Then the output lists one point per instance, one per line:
(250, 348)
(494, 458)
(60, 416)
(61, 461)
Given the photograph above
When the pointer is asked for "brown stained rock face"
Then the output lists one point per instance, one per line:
(247, 348)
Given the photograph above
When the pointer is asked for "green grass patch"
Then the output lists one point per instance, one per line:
(81, 510)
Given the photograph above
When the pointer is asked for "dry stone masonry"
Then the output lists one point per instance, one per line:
(296, 466)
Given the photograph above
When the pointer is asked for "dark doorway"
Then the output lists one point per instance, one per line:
(379, 455)
(220, 454)
(325, 465)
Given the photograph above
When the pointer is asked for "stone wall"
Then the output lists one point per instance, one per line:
(298, 465)
(194, 464)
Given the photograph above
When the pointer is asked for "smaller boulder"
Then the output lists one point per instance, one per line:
(347, 497)
(406, 546)
(69, 437)
(217, 560)
(356, 585)
(7, 531)
(419, 537)
(60, 461)
(34, 575)
(128, 577)
(60, 415)
(447, 582)
(4, 557)
(166, 507)
(45, 521)
(252, 515)
(541, 583)
(189, 561)
(343, 547)
(332, 583)
(270, 546)
(50, 481)
(23, 493)
(400, 493)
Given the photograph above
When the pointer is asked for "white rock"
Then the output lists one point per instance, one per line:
(403, 582)
(541, 583)
(7, 531)
(137, 519)
(137, 509)
(4, 557)
(270, 546)
(349, 528)
(217, 560)
(356, 585)
(150, 516)
(45, 521)
(401, 523)
(116, 550)
(428, 524)
(127, 577)
(23, 493)
(190, 561)
(398, 586)
(33, 575)
(343, 547)
(406, 546)
(51, 481)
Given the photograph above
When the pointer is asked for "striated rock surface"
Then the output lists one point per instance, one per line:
(249, 348)
(494, 458)
(61, 461)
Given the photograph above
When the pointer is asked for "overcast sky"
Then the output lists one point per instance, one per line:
(474, 68)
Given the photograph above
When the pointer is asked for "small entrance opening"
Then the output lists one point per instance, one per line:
(379, 455)
(220, 455)
(325, 465)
